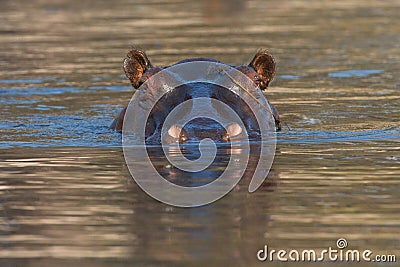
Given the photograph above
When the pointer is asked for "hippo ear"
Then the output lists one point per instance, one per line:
(135, 64)
(264, 64)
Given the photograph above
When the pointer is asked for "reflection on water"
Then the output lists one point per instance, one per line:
(66, 196)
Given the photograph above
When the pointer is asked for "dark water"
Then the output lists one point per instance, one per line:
(66, 196)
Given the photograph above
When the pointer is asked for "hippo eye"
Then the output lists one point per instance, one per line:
(143, 79)
(258, 81)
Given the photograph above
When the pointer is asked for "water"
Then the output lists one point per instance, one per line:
(66, 196)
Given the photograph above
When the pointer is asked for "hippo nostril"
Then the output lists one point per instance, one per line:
(234, 130)
(183, 139)
(176, 134)
(226, 138)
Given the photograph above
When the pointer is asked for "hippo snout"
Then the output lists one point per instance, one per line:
(202, 128)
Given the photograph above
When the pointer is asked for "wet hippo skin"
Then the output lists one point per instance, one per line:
(138, 69)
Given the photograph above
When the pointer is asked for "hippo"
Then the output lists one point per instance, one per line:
(138, 69)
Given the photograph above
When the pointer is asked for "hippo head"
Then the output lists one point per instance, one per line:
(138, 70)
